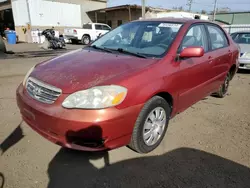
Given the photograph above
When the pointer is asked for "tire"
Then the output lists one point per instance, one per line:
(85, 39)
(144, 126)
(223, 90)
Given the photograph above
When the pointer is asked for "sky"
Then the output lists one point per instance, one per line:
(198, 5)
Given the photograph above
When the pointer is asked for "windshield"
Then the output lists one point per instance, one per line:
(151, 39)
(242, 38)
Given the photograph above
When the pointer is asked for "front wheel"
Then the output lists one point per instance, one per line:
(150, 126)
(85, 39)
(223, 90)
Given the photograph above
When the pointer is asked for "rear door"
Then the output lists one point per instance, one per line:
(221, 54)
(194, 72)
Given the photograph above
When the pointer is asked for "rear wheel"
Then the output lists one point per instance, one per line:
(85, 39)
(222, 92)
(150, 126)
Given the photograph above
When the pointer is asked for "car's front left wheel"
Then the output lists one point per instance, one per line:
(151, 125)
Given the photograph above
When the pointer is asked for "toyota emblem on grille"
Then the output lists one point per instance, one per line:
(36, 91)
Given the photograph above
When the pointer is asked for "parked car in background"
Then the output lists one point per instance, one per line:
(88, 33)
(243, 40)
(124, 87)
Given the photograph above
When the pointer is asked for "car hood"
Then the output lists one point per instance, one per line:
(84, 69)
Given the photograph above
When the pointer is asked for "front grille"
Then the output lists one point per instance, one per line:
(41, 91)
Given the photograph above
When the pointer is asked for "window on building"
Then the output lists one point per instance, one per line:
(119, 22)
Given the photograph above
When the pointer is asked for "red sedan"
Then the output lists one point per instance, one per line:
(124, 87)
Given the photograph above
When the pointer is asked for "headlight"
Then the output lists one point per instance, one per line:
(96, 97)
(246, 55)
(27, 75)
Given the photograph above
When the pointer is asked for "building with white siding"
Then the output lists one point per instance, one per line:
(39, 14)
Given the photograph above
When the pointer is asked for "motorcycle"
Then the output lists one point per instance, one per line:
(51, 41)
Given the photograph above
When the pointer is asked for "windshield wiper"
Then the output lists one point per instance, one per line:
(102, 48)
(121, 50)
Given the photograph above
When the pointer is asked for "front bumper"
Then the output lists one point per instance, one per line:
(89, 130)
(244, 63)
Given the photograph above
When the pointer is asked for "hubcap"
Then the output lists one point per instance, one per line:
(86, 40)
(154, 126)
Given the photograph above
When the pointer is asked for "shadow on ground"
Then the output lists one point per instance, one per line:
(184, 167)
(32, 54)
(243, 71)
(12, 139)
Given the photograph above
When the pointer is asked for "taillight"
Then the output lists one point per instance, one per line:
(75, 31)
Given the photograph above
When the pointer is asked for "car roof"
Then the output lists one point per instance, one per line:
(177, 20)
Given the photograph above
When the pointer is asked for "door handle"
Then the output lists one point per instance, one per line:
(209, 57)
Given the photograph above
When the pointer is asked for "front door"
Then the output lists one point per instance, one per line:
(194, 72)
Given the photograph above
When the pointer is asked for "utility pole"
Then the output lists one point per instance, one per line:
(189, 4)
(29, 39)
(143, 4)
(215, 8)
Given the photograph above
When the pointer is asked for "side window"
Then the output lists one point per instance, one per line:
(217, 37)
(87, 26)
(106, 28)
(98, 27)
(196, 36)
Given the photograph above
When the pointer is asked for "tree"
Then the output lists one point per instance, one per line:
(180, 8)
(203, 12)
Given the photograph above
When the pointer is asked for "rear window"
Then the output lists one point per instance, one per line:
(242, 38)
(87, 26)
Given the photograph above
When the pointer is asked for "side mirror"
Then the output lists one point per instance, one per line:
(192, 52)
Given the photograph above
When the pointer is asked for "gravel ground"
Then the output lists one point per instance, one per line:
(205, 146)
